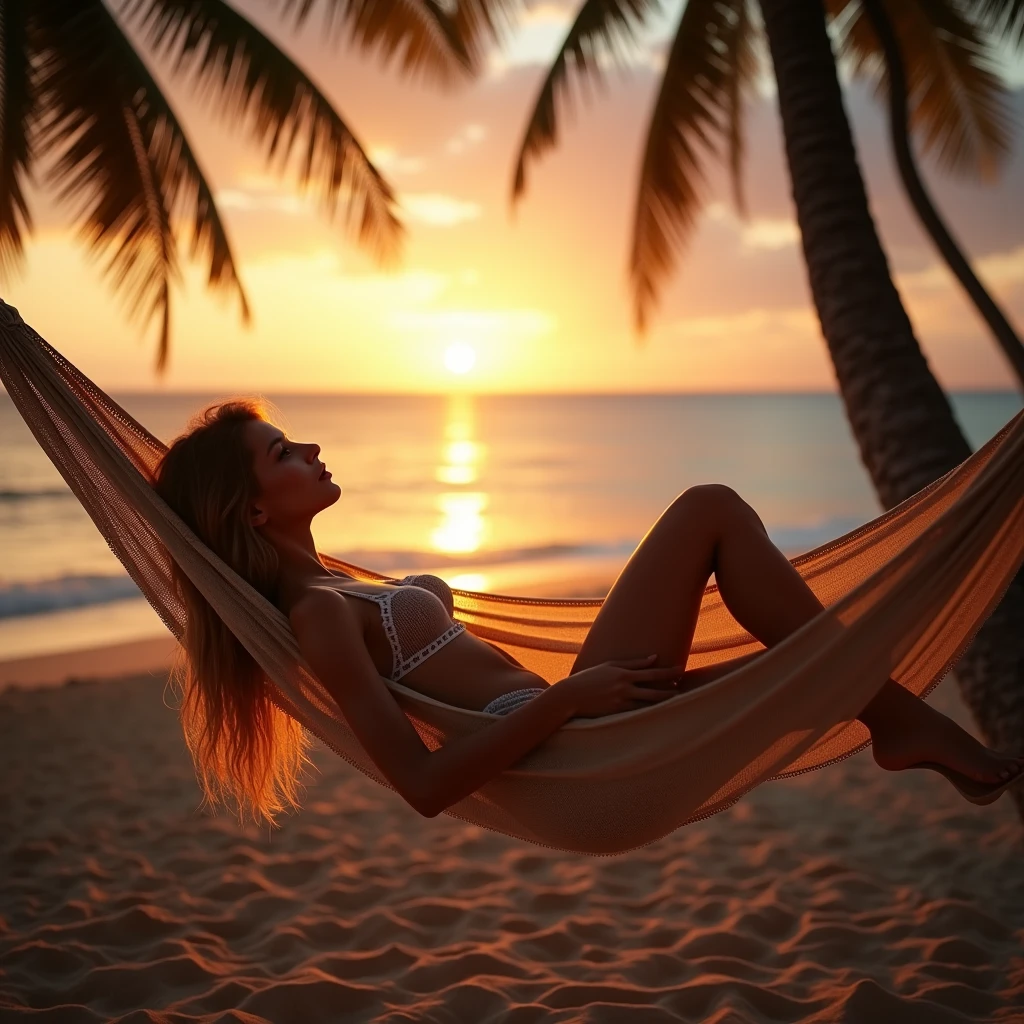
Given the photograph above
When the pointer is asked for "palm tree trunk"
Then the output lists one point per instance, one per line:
(900, 417)
(921, 201)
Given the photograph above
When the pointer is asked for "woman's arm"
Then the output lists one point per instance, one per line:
(330, 637)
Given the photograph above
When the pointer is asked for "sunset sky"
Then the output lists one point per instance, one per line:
(484, 303)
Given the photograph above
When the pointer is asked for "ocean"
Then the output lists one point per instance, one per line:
(508, 494)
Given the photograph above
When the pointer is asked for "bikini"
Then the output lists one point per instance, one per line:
(417, 620)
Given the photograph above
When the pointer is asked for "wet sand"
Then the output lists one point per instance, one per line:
(843, 895)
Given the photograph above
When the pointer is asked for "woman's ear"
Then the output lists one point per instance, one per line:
(257, 516)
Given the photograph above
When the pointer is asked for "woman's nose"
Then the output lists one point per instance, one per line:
(314, 450)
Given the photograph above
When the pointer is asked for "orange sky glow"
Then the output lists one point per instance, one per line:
(483, 302)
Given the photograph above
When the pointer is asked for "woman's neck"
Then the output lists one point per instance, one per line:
(298, 561)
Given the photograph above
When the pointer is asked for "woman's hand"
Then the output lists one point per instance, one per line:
(615, 686)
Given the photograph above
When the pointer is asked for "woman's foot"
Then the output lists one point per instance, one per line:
(932, 740)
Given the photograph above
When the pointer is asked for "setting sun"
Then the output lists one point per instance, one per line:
(460, 357)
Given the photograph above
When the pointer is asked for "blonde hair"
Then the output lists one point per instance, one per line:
(246, 751)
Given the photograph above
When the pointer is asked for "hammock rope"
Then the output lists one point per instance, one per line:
(904, 595)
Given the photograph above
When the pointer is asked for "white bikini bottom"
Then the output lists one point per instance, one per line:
(514, 699)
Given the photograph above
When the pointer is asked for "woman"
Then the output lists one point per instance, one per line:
(250, 493)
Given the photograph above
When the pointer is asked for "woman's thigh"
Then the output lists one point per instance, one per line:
(652, 607)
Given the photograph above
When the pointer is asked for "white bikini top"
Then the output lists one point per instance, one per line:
(417, 619)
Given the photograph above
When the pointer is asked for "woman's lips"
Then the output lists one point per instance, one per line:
(324, 474)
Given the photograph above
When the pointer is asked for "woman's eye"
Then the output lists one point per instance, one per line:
(284, 451)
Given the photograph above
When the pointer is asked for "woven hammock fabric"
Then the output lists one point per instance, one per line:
(904, 596)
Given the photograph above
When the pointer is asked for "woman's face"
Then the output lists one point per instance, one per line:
(293, 483)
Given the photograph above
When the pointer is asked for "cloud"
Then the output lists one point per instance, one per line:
(323, 271)
(998, 270)
(535, 39)
(755, 322)
(476, 325)
(540, 33)
(247, 199)
(438, 210)
(769, 233)
(469, 135)
(390, 161)
(256, 192)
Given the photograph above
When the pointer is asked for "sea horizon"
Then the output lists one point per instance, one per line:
(118, 393)
(541, 494)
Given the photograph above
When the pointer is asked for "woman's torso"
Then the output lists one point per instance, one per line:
(451, 665)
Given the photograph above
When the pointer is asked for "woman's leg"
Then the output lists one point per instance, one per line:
(654, 604)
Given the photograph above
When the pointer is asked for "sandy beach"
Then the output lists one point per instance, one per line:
(843, 895)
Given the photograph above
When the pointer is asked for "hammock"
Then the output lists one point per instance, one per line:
(904, 596)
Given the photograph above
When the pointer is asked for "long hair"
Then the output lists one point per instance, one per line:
(246, 751)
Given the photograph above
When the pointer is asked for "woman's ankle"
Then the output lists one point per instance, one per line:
(894, 708)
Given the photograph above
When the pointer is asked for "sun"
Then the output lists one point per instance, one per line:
(460, 357)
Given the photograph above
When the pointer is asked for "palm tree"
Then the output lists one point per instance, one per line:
(899, 416)
(75, 92)
(894, 38)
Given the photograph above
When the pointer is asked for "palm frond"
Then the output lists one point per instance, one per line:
(480, 23)
(602, 27)
(421, 33)
(17, 103)
(104, 167)
(123, 161)
(741, 66)
(255, 85)
(956, 96)
(1004, 18)
(691, 111)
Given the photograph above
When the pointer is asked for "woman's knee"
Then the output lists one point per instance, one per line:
(709, 499)
(716, 504)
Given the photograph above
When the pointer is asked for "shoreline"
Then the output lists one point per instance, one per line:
(132, 657)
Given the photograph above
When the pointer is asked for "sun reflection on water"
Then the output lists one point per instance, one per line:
(468, 581)
(463, 526)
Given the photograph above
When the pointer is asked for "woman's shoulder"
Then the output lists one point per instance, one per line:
(308, 596)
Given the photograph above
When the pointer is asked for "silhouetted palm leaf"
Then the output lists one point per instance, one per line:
(123, 160)
(708, 64)
(743, 67)
(17, 100)
(601, 27)
(103, 132)
(422, 32)
(481, 22)
(1002, 17)
(956, 97)
(74, 90)
(254, 85)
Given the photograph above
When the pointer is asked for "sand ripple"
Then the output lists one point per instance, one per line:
(842, 896)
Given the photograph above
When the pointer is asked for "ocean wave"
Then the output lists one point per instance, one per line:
(35, 597)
